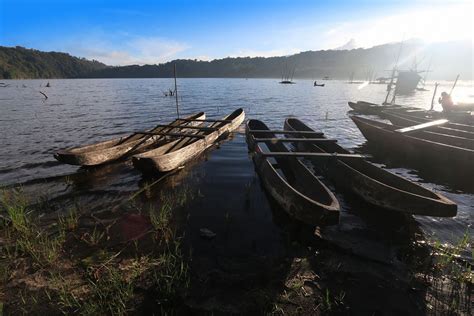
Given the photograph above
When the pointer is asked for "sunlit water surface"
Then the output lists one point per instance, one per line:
(78, 112)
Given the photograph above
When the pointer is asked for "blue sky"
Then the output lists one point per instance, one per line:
(137, 32)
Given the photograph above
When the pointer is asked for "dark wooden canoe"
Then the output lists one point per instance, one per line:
(461, 117)
(374, 184)
(463, 106)
(363, 107)
(121, 147)
(299, 192)
(176, 153)
(404, 120)
(416, 146)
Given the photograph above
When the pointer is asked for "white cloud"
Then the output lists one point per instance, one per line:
(128, 50)
(440, 23)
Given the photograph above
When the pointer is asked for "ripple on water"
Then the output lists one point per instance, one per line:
(86, 111)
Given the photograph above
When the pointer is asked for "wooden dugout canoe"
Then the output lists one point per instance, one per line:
(299, 192)
(404, 120)
(464, 106)
(117, 148)
(423, 117)
(416, 147)
(364, 107)
(373, 184)
(460, 117)
(176, 153)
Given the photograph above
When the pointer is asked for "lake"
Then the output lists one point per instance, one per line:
(86, 111)
(256, 245)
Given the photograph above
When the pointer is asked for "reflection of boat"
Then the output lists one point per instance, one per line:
(373, 184)
(176, 153)
(402, 119)
(300, 193)
(420, 145)
(106, 151)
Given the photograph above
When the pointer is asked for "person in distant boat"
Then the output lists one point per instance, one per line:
(315, 83)
(446, 102)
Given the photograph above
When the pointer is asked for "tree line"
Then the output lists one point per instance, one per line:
(447, 60)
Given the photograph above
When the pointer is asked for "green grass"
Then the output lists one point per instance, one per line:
(102, 287)
(25, 237)
(452, 276)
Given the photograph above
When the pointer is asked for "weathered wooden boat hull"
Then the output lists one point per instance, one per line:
(464, 106)
(176, 153)
(114, 149)
(302, 195)
(363, 107)
(425, 116)
(373, 184)
(461, 117)
(415, 148)
(404, 120)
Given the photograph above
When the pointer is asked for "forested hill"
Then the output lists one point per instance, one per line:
(447, 60)
(21, 63)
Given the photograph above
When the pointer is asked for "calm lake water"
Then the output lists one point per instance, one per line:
(78, 112)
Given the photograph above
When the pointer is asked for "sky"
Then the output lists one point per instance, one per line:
(150, 32)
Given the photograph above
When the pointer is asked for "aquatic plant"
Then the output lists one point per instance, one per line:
(451, 277)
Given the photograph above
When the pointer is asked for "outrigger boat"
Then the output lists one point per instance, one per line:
(177, 152)
(371, 183)
(402, 119)
(299, 192)
(364, 107)
(418, 146)
(121, 147)
(458, 117)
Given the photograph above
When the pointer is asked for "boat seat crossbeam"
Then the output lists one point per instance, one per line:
(171, 134)
(421, 126)
(285, 132)
(310, 155)
(295, 140)
(189, 127)
(210, 121)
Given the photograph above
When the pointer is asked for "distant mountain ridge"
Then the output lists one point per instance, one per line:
(23, 63)
(447, 60)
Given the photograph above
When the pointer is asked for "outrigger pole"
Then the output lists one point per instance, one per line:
(176, 91)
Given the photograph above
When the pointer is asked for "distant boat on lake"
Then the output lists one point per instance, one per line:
(287, 75)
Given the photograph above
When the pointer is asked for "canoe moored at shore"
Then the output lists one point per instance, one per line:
(371, 183)
(460, 117)
(404, 120)
(363, 107)
(176, 153)
(121, 147)
(416, 147)
(296, 189)
(463, 106)
(423, 116)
